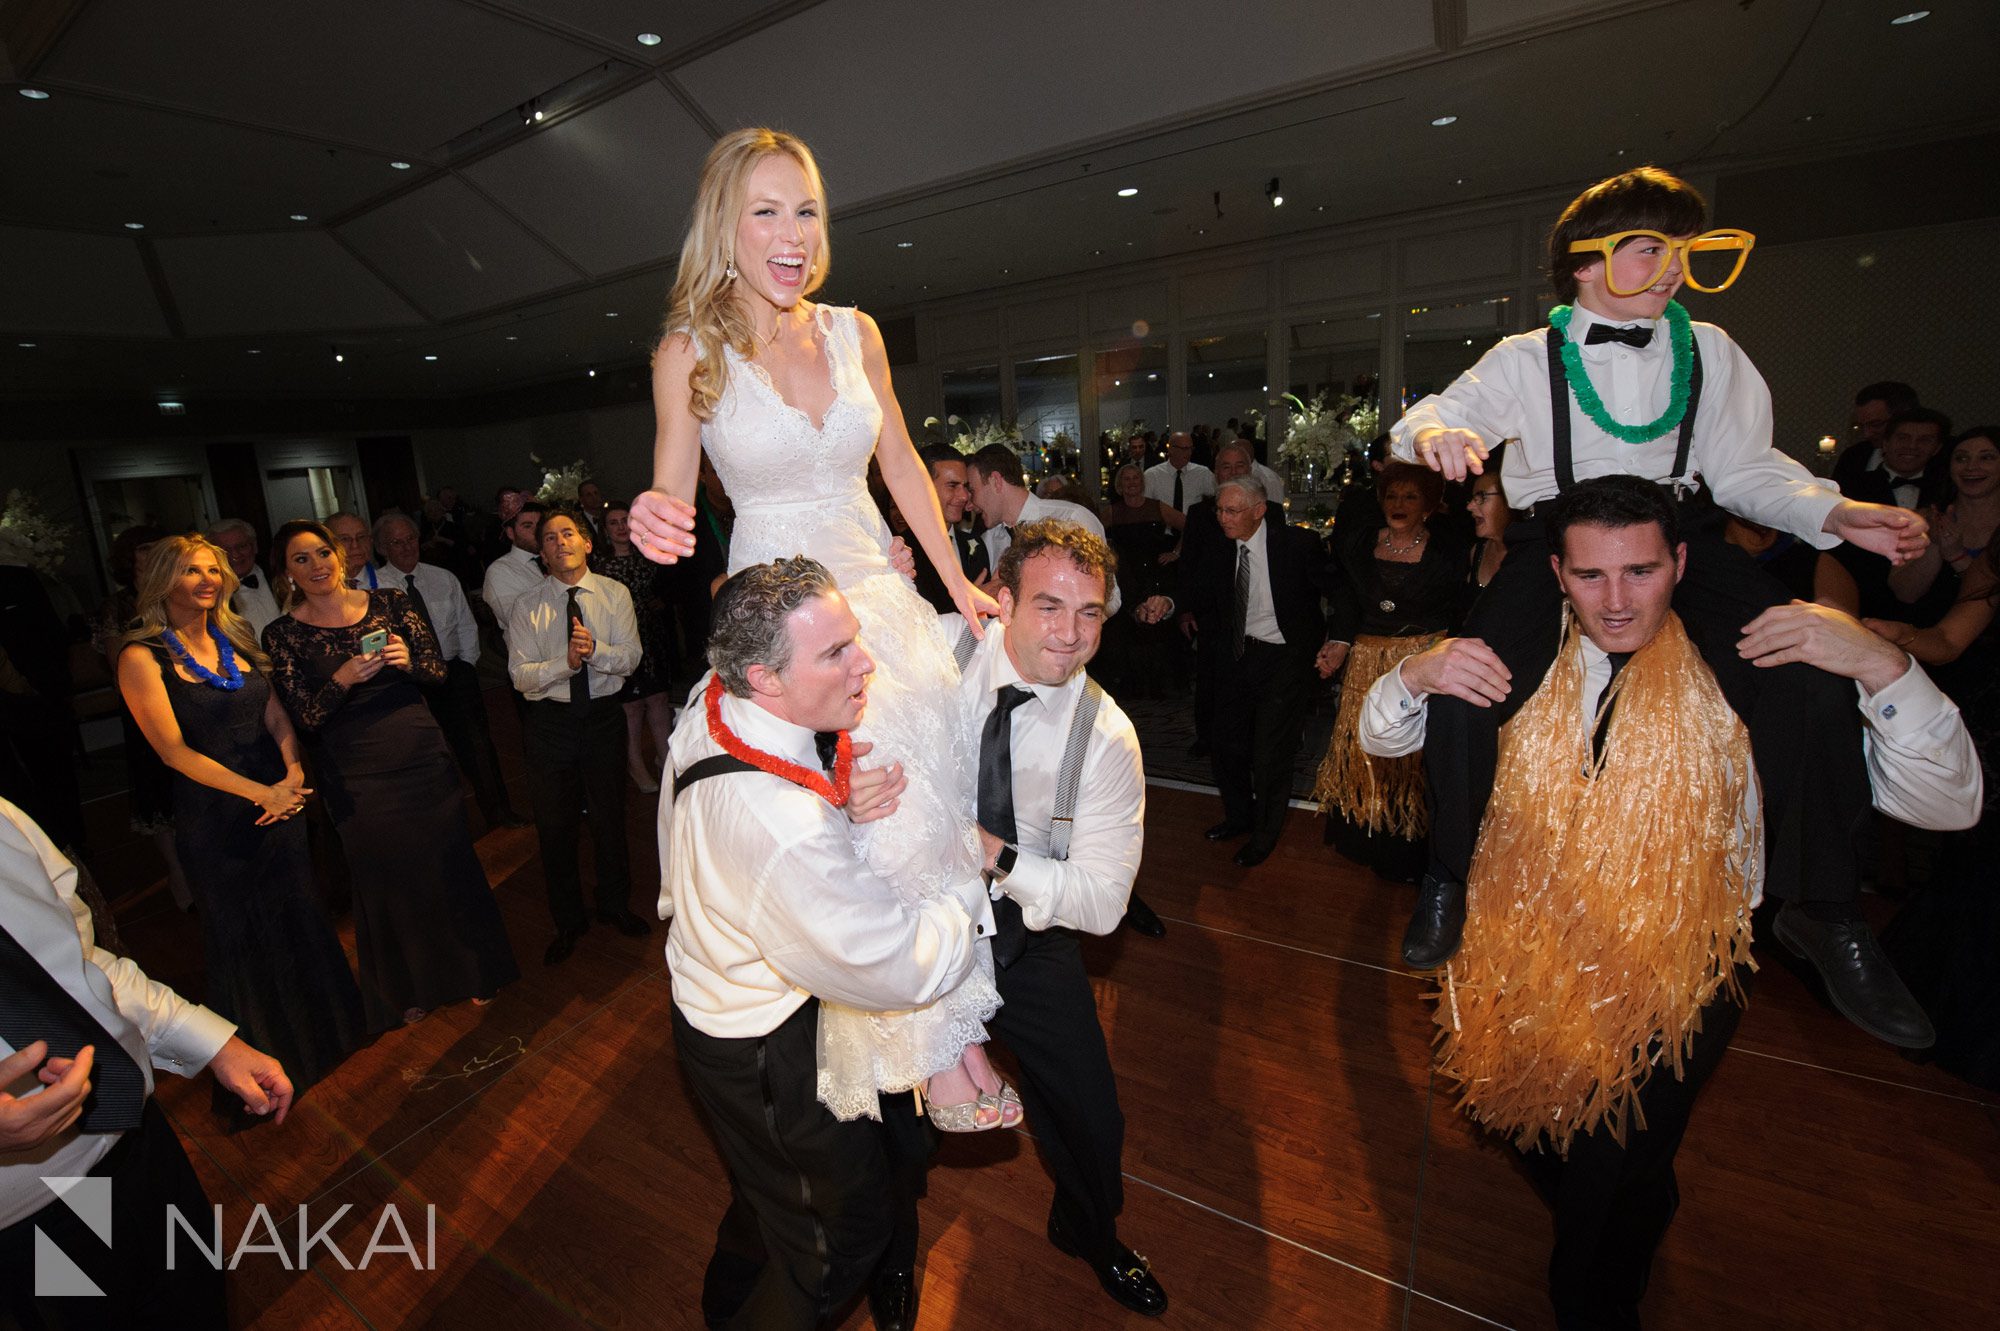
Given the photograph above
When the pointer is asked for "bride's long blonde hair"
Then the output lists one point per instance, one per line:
(702, 303)
(157, 574)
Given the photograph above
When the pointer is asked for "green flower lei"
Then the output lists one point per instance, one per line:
(1593, 405)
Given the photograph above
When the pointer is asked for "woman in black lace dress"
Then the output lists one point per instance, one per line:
(425, 924)
(198, 689)
(1402, 585)
(649, 705)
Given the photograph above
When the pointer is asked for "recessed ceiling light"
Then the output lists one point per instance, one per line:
(135, 226)
(512, 338)
(1152, 377)
(300, 217)
(1913, 16)
(430, 358)
(25, 344)
(1096, 253)
(611, 314)
(1128, 192)
(593, 374)
(339, 358)
(1617, 152)
(399, 166)
(1459, 181)
(648, 39)
(1442, 121)
(1005, 271)
(256, 351)
(1201, 231)
(905, 244)
(34, 94)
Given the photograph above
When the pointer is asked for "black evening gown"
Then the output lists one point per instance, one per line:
(426, 927)
(274, 965)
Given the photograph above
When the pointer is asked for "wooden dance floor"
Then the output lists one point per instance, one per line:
(1290, 1161)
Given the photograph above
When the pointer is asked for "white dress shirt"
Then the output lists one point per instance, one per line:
(445, 603)
(255, 603)
(1260, 619)
(1922, 767)
(508, 579)
(1506, 396)
(1274, 484)
(538, 638)
(1089, 890)
(771, 905)
(155, 1025)
(1033, 509)
(1197, 484)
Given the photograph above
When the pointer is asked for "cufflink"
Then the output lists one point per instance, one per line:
(1889, 712)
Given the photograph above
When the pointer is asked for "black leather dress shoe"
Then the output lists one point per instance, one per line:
(1435, 925)
(1227, 831)
(1252, 855)
(1859, 979)
(558, 950)
(892, 1299)
(1125, 1275)
(1139, 916)
(625, 922)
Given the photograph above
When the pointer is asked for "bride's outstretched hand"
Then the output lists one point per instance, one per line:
(662, 526)
(974, 604)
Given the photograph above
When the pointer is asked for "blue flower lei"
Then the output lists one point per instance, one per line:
(1682, 333)
(231, 678)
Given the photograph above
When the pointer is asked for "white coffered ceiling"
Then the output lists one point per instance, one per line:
(991, 137)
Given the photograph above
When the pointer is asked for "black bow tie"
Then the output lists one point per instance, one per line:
(248, 580)
(827, 744)
(1632, 335)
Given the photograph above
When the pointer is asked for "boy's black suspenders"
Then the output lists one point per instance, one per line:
(1559, 399)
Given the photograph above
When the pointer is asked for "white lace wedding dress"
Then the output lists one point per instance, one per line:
(802, 489)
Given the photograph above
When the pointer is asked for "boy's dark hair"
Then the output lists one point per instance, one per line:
(999, 460)
(1920, 416)
(561, 510)
(1891, 393)
(1610, 501)
(1647, 199)
(933, 454)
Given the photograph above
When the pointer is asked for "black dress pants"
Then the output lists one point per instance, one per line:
(460, 708)
(576, 753)
(1048, 1018)
(810, 1196)
(1803, 724)
(1260, 716)
(1613, 1203)
(149, 1172)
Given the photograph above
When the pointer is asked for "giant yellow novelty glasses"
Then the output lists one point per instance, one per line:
(1718, 250)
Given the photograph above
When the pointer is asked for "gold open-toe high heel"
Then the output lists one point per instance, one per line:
(1006, 1106)
(980, 1115)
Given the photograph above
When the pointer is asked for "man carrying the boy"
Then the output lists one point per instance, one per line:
(1622, 381)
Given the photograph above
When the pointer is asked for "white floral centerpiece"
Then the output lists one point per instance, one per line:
(972, 438)
(29, 537)
(1319, 434)
(560, 484)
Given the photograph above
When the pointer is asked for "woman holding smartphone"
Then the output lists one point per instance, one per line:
(347, 662)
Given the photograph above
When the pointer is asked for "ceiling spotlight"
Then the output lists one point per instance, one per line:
(399, 166)
(170, 407)
(1274, 194)
(1913, 16)
(593, 374)
(25, 345)
(37, 95)
(538, 115)
(1005, 271)
(648, 39)
(300, 217)
(256, 351)
(1442, 121)
(430, 357)
(905, 244)
(1128, 192)
(135, 226)
(512, 338)
(339, 357)
(611, 314)
(1459, 181)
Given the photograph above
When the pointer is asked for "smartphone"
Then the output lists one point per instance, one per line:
(372, 643)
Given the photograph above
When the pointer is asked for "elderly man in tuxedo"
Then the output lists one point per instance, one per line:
(237, 540)
(1257, 594)
(81, 1032)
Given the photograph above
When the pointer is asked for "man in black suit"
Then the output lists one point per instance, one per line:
(1874, 405)
(1201, 539)
(1258, 595)
(948, 478)
(1903, 473)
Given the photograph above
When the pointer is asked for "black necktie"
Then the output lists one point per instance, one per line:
(1610, 700)
(248, 580)
(827, 744)
(1240, 616)
(33, 1006)
(417, 600)
(996, 812)
(579, 683)
(1178, 473)
(1632, 335)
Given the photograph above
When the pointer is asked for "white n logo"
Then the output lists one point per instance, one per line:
(56, 1275)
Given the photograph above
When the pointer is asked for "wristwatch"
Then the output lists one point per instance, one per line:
(1003, 863)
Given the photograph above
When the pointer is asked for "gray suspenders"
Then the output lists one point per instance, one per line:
(1070, 777)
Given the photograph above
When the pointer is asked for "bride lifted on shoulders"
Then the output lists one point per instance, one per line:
(790, 399)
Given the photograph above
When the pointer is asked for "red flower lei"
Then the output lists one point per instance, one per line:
(834, 792)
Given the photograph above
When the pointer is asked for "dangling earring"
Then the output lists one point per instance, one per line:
(729, 268)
